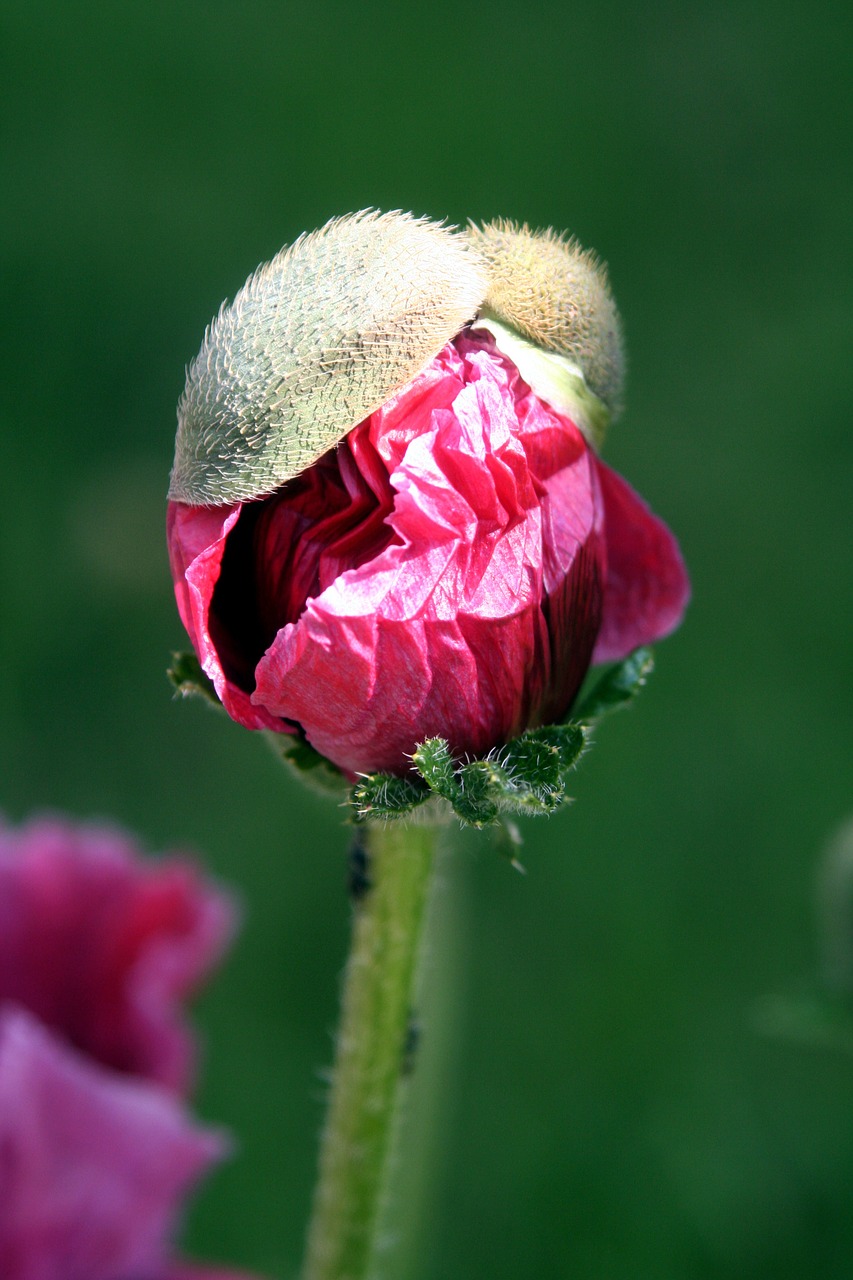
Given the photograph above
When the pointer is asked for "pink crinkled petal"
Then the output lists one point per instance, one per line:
(448, 631)
(93, 1167)
(104, 946)
(196, 538)
(647, 589)
(445, 572)
(325, 672)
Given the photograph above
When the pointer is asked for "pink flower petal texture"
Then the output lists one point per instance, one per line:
(103, 947)
(448, 570)
(93, 1165)
(97, 1153)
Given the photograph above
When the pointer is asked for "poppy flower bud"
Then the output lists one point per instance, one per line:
(455, 564)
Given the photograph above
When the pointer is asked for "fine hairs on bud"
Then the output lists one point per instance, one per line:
(557, 296)
(317, 339)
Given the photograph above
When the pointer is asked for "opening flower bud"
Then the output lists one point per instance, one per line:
(450, 570)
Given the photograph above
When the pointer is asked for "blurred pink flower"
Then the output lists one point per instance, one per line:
(97, 1153)
(103, 946)
(451, 569)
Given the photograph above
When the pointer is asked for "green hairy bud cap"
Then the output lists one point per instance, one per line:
(316, 340)
(325, 333)
(554, 295)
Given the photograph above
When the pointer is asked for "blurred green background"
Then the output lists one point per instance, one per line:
(615, 1111)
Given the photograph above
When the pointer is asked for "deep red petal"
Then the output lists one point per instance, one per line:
(197, 538)
(647, 589)
(479, 618)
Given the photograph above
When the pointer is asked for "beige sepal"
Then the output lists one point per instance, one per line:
(317, 339)
(555, 296)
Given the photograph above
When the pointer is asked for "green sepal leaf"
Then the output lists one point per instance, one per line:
(571, 739)
(474, 800)
(544, 757)
(315, 770)
(385, 795)
(532, 785)
(619, 686)
(189, 680)
(528, 775)
(465, 787)
(434, 763)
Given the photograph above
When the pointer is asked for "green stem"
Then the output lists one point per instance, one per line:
(371, 1052)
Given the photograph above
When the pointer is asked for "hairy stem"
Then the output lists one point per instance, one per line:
(373, 1050)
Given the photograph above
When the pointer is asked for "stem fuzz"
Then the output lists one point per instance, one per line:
(373, 1050)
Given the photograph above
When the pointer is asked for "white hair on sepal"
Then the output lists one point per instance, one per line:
(317, 339)
(550, 309)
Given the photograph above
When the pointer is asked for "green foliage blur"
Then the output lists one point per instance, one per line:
(612, 1109)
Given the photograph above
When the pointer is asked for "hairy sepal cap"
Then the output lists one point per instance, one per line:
(314, 342)
(550, 309)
